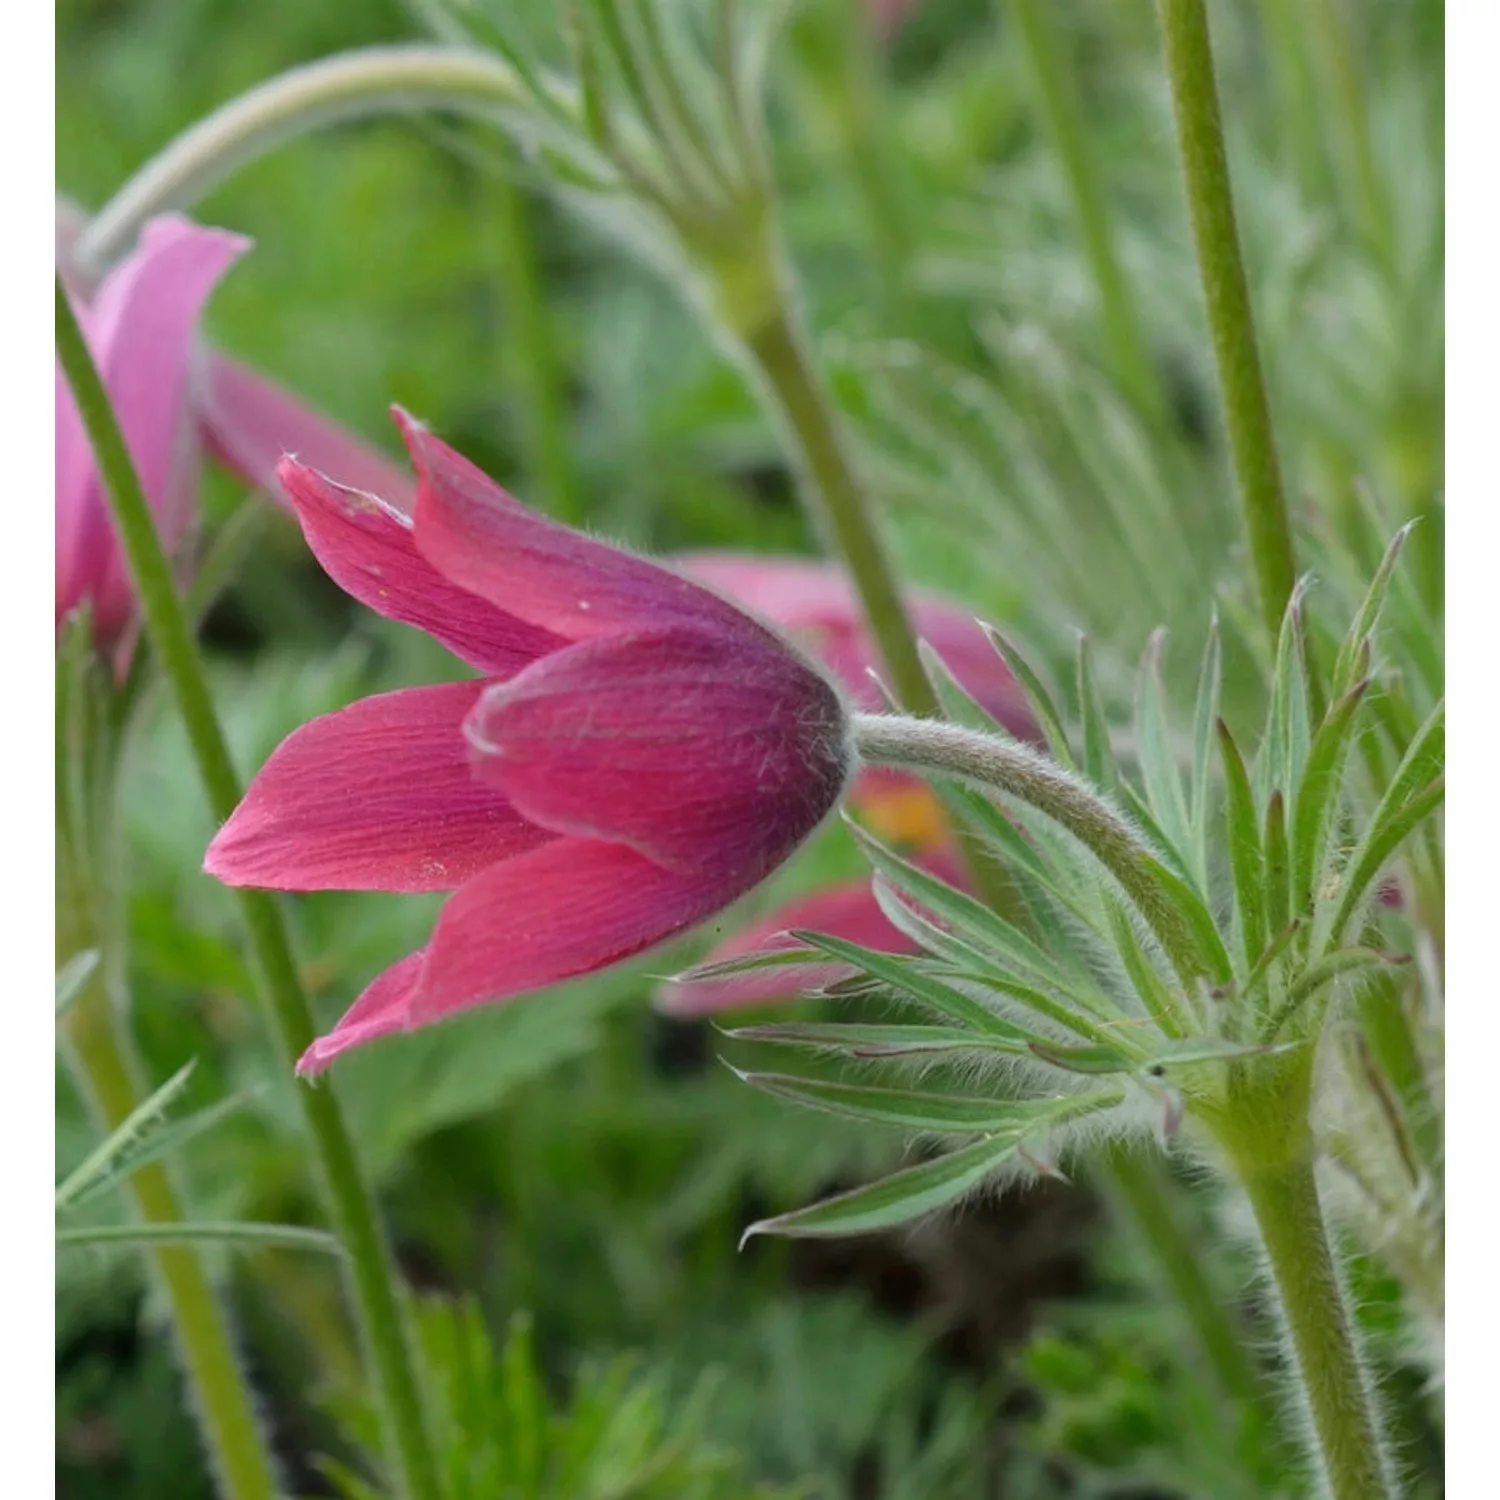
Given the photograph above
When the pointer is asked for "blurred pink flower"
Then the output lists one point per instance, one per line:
(637, 755)
(173, 396)
(141, 327)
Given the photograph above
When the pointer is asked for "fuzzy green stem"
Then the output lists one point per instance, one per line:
(1345, 1431)
(1063, 119)
(1247, 413)
(371, 1268)
(331, 91)
(532, 362)
(102, 1058)
(1015, 770)
(1143, 1195)
(783, 368)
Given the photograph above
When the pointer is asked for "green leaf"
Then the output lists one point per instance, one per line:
(239, 1236)
(913, 1109)
(72, 978)
(749, 963)
(1156, 998)
(1319, 797)
(1317, 976)
(873, 1041)
(903, 975)
(1158, 763)
(1246, 862)
(166, 1138)
(1346, 671)
(145, 1117)
(1380, 842)
(897, 1199)
(1284, 748)
(1205, 717)
(1098, 755)
(1195, 1050)
(968, 917)
(1097, 1058)
(1042, 707)
(1278, 865)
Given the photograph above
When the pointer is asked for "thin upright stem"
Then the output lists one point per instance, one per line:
(102, 1058)
(835, 494)
(371, 1268)
(331, 91)
(1247, 413)
(1347, 1441)
(532, 362)
(1128, 350)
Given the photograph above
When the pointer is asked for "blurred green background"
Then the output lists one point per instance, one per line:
(574, 1157)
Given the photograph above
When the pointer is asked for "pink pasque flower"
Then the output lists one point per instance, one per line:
(638, 753)
(173, 397)
(816, 604)
(141, 327)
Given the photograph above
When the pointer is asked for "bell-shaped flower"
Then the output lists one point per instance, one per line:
(637, 754)
(815, 603)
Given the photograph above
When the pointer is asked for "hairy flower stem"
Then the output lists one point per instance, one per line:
(372, 1272)
(333, 90)
(102, 1058)
(1014, 770)
(1247, 413)
(1346, 1431)
(777, 353)
(1063, 118)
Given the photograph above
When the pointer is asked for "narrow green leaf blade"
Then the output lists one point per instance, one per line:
(239, 1236)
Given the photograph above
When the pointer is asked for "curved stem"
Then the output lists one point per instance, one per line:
(348, 1196)
(347, 86)
(777, 354)
(1345, 1428)
(1247, 414)
(1015, 770)
(103, 1061)
(1064, 121)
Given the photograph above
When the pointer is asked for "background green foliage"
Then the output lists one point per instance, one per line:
(574, 1158)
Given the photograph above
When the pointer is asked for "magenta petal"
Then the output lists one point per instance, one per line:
(383, 1008)
(481, 539)
(252, 423)
(568, 909)
(366, 546)
(378, 796)
(847, 911)
(690, 747)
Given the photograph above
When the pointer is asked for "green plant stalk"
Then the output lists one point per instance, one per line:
(1142, 1194)
(372, 1272)
(1247, 413)
(1347, 1436)
(104, 1064)
(531, 361)
(775, 349)
(1063, 119)
(334, 90)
